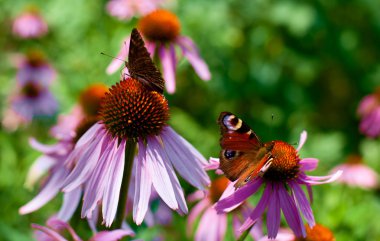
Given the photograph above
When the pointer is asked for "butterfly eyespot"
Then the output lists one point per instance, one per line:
(229, 154)
(232, 122)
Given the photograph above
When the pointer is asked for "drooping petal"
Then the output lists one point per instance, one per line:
(274, 213)
(113, 235)
(291, 213)
(316, 180)
(259, 209)
(60, 225)
(143, 185)
(239, 195)
(38, 169)
(164, 180)
(191, 53)
(48, 192)
(168, 61)
(87, 137)
(94, 190)
(113, 184)
(212, 226)
(49, 232)
(185, 162)
(302, 203)
(70, 203)
(195, 212)
(87, 159)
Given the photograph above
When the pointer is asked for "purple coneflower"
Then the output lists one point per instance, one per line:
(283, 178)
(132, 115)
(30, 24)
(317, 233)
(357, 174)
(68, 130)
(213, 225)
(33, 97)
(369, 111)
(126, 9)
(58, 230)
(161, 30)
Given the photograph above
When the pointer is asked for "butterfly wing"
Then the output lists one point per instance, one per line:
(141, 66)
(243, 154)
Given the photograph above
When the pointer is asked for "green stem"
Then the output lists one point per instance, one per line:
(244, 234)
(130, 149)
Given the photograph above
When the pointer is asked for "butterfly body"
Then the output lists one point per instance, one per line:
(243, 156)
(140, 65)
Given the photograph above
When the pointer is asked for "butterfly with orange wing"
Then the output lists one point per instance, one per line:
(140, 65)
(243, 156)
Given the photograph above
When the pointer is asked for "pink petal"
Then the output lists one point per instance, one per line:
(195, 196)
(291, 213)
(48, 192)
(303, 138)
(184, 161)
(90, 134)
(168, 61)
(70, 203)
(178, 192)
(113, 235)
(274, 214)
(308, 164)
(239, 195)
(302, 203)
(212, 226)
(60, 225)
(143, 185)
(113, 184)
(314, 180)
(51, 233)
(190, 51)
(94, 190)
(195, 212)
(259, 209)
(38, 169)
(87, 159)
(159, 174)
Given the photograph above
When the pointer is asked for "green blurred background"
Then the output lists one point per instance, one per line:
(306, 63)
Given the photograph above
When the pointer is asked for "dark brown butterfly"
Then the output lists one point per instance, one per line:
(243, 155)
(141, 66)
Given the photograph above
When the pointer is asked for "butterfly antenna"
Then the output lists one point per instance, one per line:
(113, 57)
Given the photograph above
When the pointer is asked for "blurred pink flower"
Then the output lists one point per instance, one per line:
(29, 24)
(213, 225)
(67, 132)
(161, 30)
(58, 230)
(132, 113)
(357, 174)
(283, 178)
(369, 111)
(52, 162)
(126, 9)
(32, 97)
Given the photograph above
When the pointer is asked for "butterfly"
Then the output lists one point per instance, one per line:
(243, 156)
(140, 65)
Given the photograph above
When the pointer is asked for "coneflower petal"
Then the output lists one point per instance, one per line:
(143, 185)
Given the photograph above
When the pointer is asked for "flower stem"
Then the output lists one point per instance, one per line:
(130, 149)
(244, 234)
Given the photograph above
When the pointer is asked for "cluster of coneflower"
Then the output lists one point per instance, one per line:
(116, 153)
